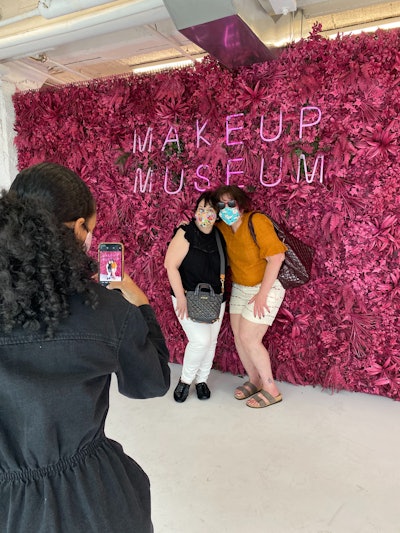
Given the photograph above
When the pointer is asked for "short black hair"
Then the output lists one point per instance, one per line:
(209, 199)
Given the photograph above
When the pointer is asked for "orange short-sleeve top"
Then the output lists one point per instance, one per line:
(247, 259)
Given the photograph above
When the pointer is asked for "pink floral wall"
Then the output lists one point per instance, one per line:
(312, 135)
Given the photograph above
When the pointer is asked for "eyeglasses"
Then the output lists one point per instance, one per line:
(229, 203)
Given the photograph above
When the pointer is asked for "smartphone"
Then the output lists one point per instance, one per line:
(111, 262)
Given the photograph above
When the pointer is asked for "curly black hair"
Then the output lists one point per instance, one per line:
(57, 188)
(41, 261)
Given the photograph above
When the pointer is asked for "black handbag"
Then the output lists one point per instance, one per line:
(203, 304)
(296, 268)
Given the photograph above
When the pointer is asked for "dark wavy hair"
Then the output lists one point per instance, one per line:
(41, 261)
(236, 193)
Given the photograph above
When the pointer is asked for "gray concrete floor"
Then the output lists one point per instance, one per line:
(315, 463)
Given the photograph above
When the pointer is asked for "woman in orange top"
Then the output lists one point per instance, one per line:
(256, 295)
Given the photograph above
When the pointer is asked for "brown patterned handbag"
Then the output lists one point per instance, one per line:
(296, 268)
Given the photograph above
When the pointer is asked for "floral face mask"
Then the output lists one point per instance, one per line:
(205, 217)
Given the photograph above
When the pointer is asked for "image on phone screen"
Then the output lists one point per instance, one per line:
(111, 262)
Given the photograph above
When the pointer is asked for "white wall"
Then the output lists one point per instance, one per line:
(8, 153)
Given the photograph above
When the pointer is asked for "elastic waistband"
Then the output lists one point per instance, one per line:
(28, 474)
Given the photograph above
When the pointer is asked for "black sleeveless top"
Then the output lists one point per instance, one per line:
(202, 263)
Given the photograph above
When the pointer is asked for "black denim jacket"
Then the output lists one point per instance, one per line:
(54, 398)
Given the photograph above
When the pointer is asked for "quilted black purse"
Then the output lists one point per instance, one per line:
(203, 304)
(296, 268)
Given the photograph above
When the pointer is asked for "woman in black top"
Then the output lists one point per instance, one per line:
(193, 257)
(62, 336)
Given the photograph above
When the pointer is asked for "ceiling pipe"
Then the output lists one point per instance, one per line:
(171, 42)
(18, 18)
(68, 69)
(57, 33)
(283, 7)
(45, 75)
(50, 9)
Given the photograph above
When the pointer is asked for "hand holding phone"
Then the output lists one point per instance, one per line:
(111, 262)
(111, 273)
(130, 291)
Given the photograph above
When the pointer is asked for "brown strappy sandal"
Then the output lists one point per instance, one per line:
(245, 391)
(260, 402)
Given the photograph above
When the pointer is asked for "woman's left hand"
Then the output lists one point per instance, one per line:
(260, 305)
(274, 263)
(181, 307)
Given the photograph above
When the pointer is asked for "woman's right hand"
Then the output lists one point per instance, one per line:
(181, 307)
(130, 291)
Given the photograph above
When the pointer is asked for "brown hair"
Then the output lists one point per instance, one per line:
(236, 193)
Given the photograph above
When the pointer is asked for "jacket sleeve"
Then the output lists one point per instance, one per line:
(143, 370)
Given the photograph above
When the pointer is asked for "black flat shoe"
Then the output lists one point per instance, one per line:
(181, 392)
(203, 392)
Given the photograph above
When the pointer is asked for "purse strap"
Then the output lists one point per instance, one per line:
(281, 228)
(222, 260)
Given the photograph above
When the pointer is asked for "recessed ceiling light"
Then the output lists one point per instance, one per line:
(166, 65)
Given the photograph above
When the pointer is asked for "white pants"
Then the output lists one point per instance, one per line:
(200, 349)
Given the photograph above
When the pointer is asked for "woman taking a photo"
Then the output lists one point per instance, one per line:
(256, 294)
(193, 257)
(62, 336)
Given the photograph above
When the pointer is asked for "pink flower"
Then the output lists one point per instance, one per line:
(252, 97)
(169, 112)
(377, 143)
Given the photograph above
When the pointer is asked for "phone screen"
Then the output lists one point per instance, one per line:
(111, 262)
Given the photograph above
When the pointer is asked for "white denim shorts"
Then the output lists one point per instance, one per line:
(241, 294)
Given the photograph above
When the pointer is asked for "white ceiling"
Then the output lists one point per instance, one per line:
(117, 36)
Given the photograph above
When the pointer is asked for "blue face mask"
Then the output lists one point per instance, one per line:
(229, 215)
